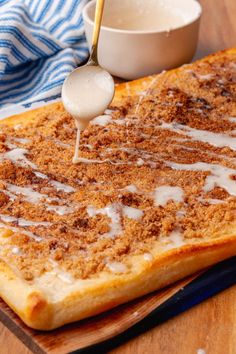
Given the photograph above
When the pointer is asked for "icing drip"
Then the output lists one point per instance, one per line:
(90, 161)
(62, 187)
(40, 175)
(18, 126)
(16, 250)
(215, 139)
(119, 121)
(131, 188)
(220, 176)
(164, 194)
(77, 144)
(176, 238)
(113, 212)
(116, 267)
(24, 232)
(148, 257)
(31, 196)
(58, 185)
(60, 209)
(22, 140)
(201, 351)
(205, 77)
(109, 111)
(22, 222)
(211, 201)
(132, 213)
(17, 156)
(102, 120)
(60, 274)
(65, 277)
(180, 213)
(140, 162)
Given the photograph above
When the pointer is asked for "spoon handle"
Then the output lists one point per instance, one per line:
(93, 60)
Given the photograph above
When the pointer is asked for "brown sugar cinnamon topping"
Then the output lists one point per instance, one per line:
(160, 168)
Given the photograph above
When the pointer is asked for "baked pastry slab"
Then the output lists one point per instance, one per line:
(152, 201)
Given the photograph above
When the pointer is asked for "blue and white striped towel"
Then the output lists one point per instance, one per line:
(41, 41)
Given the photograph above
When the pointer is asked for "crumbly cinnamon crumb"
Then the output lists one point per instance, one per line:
(80, 243)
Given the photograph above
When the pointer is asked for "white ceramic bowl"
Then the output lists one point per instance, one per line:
(144, 48)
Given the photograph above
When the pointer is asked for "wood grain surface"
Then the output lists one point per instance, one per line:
(210, 325)
(93, 330)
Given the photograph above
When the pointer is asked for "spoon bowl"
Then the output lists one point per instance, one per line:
(87, 92)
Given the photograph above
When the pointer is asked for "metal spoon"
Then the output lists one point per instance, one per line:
(89, 89)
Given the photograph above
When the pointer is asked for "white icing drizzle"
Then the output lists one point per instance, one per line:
(181, 213)
(16, 250)
(140, 162)
(40, 175)
(10, 145)
(211, 201)
(201, 351)
(215, 139)
(220, 175)
(18, 126)
(24, 232)
(164, 194)
(232, 119)
(109, 111)
(35, 197)
(216, 155)
(89, 146)
(205, 77)
(58, 185)
(52, 262)
(17, 156)
(59, 273)
(102, 120)
(148, 257)
(90, 161)
(30, 195)
(141, 93)
(22, 222)
(21, 140)
(176, 237)
(60, 143)
(112, 211)
(65, 277)
(131, 188)
(119, 121)
(116, 267)
(132, 213)
(60, 209)
(75, 159)
(62, 187)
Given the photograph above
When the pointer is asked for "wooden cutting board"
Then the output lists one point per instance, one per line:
(120, 324)
(86, 333)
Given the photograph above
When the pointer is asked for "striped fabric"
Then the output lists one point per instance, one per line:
(41, 41)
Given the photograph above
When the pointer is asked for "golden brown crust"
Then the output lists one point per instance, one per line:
(99, 297)
(61, 264)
